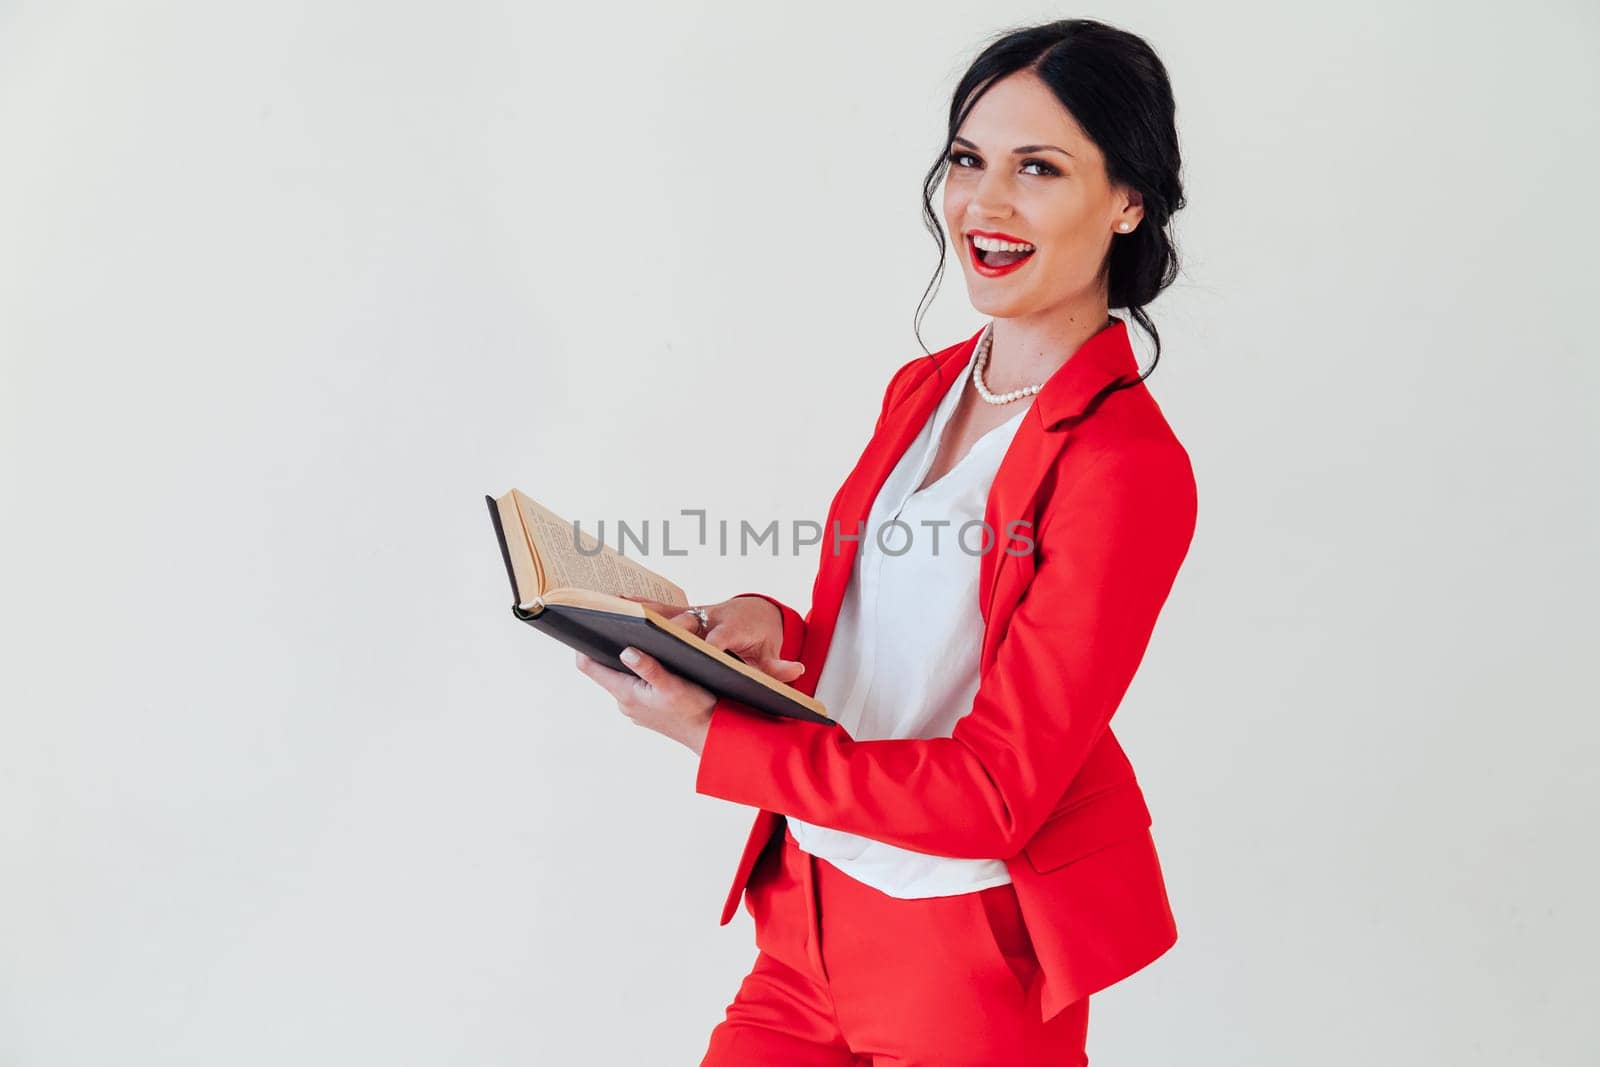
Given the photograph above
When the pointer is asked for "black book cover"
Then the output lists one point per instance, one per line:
(601, 635)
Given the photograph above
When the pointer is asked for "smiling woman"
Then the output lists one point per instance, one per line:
(949, 870)
(1061, 176)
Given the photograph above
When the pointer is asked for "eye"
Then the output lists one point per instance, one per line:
(956, 156)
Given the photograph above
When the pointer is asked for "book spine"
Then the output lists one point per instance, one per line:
(505, 552)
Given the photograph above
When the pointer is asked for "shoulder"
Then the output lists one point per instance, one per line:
(1125, 459)
(914, 373)
(1130, 430)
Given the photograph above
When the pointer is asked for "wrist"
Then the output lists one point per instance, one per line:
(768, 603)
(696, 741)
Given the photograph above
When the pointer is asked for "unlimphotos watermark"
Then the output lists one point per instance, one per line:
(975, 537)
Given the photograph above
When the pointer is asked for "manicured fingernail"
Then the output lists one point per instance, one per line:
(630, 657)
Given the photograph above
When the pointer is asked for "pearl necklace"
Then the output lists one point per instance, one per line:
(980, 361)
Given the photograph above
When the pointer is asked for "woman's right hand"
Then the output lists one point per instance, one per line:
(748, 626)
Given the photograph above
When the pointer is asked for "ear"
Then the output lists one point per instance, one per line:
(1132, 212)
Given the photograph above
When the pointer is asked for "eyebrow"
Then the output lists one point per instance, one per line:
(1021, 150)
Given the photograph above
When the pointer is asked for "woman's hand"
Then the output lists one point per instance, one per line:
(747, 626)
(655, 698)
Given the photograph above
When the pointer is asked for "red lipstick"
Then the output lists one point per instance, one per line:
(983, 268)
(998, 236)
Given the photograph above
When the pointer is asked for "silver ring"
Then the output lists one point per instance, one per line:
(700, 613)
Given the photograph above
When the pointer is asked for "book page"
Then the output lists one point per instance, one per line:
(605, 571)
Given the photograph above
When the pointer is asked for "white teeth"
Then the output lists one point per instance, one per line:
(989, 244)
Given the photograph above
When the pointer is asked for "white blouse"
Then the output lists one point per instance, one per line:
(903, 661)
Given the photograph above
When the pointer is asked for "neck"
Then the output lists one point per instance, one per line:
(1027, 350)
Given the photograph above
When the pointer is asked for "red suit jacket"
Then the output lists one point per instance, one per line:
(1032, 774)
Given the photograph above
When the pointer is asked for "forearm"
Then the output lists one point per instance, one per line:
(929, 795)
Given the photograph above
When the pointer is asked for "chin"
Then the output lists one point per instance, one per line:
(996, 305)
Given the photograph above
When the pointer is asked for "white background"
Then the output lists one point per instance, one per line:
(286, 288)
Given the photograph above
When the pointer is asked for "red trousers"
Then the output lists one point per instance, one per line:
(847, 976)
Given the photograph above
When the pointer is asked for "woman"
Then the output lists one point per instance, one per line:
(965, 855)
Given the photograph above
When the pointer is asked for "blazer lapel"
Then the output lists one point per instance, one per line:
(1028, 460)
(853, 504)
(1025, 471)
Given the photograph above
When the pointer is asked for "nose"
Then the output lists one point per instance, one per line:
(989, 200)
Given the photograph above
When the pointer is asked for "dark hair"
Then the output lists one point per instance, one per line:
(1116, 88)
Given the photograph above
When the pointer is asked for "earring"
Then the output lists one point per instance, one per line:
(1123, 227)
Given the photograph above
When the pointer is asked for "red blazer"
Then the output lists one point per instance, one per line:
(1033, 774)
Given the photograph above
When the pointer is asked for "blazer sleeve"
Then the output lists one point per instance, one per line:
(794, 624)
(1109, 548)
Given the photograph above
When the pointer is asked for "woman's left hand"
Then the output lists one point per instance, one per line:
(656, 699)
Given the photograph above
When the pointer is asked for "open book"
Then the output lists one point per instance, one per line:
(575, 597)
